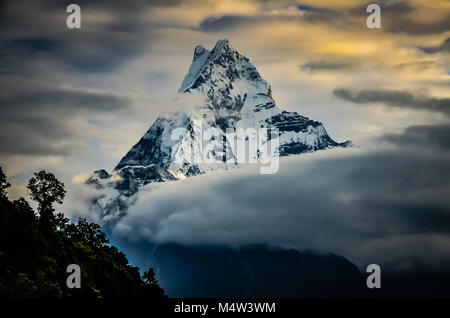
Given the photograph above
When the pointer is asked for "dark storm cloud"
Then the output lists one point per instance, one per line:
(426, 136)
(88, 52)
(309, 14)
(311, 8)
(35, 33)
(100, 51)
(396, 7)
(125, 26)
(34, 44)
(314, 14)
(418, 66)
(213, 24)
(38, 116)
(121, 5)
(38, 120)
(58, 100)
(317, 66)
(411, 26)
(117, 6)
(388, 8)
(444, 48)
(397, 17)
(402, 99)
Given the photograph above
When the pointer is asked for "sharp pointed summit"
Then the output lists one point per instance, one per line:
(202, 59)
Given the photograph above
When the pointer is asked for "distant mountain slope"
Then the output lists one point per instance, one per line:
(251, 271)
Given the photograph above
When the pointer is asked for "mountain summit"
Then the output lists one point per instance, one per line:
(234, 96)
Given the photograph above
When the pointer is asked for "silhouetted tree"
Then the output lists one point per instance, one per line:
(149, 277)
(4, 184)
(46, 190)
(90, 234)
(150, 280)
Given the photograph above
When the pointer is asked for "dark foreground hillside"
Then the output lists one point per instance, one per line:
(37, 247)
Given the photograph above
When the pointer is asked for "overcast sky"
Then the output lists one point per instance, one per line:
(74, 101)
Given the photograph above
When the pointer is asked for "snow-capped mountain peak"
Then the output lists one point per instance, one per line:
(235, 97)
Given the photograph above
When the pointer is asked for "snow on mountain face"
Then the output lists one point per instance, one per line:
(235, 96)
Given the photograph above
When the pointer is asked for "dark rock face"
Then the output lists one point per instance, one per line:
(98, 175)
(102, 174)
(133, 178)
(148, 150)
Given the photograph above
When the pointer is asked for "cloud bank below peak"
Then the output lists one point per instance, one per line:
(383, 206)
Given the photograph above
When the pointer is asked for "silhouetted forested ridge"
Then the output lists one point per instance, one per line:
(37, 247)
